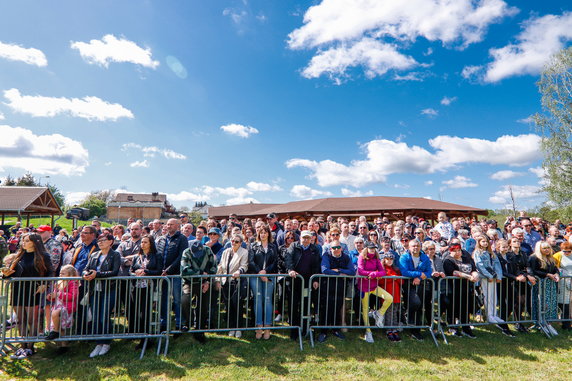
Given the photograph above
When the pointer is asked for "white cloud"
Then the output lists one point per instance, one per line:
(241, 200)
(377, 58)
(90, 108)
(502, 196)
(237, 16)
(446, 101)
(305, 192)
(540, 38)
(471, 72)
(73, 198)
(459, 182)
(429, 112)
(239, 130)
(355, 193)
(385, 157)
(428, 182)
(505, 175)
(401, 186)
(349, 33)
(31, 56)
(412, 76)
(152, 151)
(528, 120)
(140, 164)
(112, 49)
(262, 187)
(2, 116)
(42, 154)
(108, 163)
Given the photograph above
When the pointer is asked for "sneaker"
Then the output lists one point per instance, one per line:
(278, 318)
(552, 330)
(95, 351)
(379, 319)
(25, 353)
(52, 336)
(468, 332)
(104, 349)
(396, 337)
(339, 335)
(390, 336)
(417, 336)
(507, 332)
(9, 324)
(371, 313)
(458, 333)
(322, 337)
(231, 333)
(17, 354)
(368, 337)
(238, 334)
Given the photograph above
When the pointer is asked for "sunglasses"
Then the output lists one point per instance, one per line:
(404, 240)
(334, 234)
(336, 247)
(236, 241)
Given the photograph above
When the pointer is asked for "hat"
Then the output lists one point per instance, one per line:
(196, 246)
(370, 245)
(491, 222)
(389, 254)
(271, 215)
(44, 228)
(215, 231)
(305, 233)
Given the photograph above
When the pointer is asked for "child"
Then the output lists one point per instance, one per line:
(7, 263)
(490, 272)
(65, 301)
(370, 266)
(393, 286)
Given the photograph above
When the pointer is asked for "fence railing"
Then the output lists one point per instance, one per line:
(76, 309)
(156, 307)
(394, 303)
(223, 303)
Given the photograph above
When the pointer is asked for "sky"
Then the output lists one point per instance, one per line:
(274, 101)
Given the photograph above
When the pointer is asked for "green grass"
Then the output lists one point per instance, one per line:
(63, 222)
(490, 356)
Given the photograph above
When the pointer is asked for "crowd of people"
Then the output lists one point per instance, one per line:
(479, 262)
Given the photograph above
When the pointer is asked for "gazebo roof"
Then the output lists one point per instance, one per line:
(28, 200)
(375, 205)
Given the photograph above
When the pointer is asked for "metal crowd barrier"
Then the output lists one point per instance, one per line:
(105, 308)
(462, 303)
(238, 305)
(338, 303)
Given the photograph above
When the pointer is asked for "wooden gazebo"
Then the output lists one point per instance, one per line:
(375, 206)
(28, 201)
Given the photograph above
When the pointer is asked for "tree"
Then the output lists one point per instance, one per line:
(9, 181)
(58, 195)
(96, 206)
(27, 180)
(555, 124)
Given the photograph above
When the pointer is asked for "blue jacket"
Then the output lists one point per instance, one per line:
(343, 263)
(484, 263)
(408, 269)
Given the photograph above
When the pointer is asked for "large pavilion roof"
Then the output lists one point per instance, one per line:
(28, 200)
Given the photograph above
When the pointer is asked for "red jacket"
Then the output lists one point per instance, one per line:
(69, 296)
(393, 286)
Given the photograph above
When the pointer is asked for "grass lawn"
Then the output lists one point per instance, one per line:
(490, 356)
(63, 222)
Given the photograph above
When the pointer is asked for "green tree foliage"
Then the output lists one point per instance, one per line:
(97, 207)
(555, 124)
(9, 181)
(27, 180)
(58, 195)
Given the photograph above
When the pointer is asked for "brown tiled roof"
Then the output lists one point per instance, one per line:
(139, 197)
(348, 205)
(37, 200)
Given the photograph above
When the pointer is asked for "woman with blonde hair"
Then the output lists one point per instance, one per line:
(543, 265)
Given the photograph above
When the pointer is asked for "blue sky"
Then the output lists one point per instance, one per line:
(274, 101)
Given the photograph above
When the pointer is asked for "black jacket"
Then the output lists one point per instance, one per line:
(294, 253)
(109, 268)
(510, 266)
(176, 245)
(257, 257)
(154, 266)
(535, 269)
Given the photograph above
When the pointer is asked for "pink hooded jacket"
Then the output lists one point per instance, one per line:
(371, 266)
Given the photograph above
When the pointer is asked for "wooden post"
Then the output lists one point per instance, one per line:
(2, 218)
(52, 221)
(28, 220)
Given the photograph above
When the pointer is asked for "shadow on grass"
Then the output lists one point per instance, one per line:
(275, 358)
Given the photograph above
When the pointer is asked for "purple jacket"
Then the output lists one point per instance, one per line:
(365, 268)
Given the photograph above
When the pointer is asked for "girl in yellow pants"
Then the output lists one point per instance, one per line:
(370, 266)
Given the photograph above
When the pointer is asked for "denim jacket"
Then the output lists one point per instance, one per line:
(485, 263)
